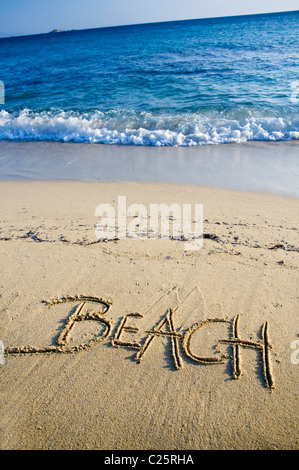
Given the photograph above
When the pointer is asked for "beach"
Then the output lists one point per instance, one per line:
(176, 349)
(149, 219)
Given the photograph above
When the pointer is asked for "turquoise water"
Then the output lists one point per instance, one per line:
(180, 83)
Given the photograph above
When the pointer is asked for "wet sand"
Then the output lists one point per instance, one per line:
(270, 167)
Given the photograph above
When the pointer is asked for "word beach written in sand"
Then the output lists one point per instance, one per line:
(180, 340)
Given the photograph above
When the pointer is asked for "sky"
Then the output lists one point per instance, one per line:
(20, 17)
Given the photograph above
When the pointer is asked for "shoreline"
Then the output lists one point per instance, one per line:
(265, 167)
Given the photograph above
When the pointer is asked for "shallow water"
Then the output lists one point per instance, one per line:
(252, 166)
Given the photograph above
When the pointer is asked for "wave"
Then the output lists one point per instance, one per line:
(146, 128)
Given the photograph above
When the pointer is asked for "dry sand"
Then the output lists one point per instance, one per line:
(60, 395)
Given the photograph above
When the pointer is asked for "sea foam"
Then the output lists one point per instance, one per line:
(143, 128)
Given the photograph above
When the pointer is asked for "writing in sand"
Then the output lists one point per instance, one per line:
(180, 341)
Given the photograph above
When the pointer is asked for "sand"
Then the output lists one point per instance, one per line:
(137, 343)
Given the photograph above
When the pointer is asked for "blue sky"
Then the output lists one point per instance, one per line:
(38, 16)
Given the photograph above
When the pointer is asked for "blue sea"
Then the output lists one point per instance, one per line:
(182, 83)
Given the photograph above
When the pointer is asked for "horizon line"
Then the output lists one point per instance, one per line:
(58, 31)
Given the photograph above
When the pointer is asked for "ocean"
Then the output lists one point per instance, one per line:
(182, 83)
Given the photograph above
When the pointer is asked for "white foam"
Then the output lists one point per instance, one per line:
(143, 128)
